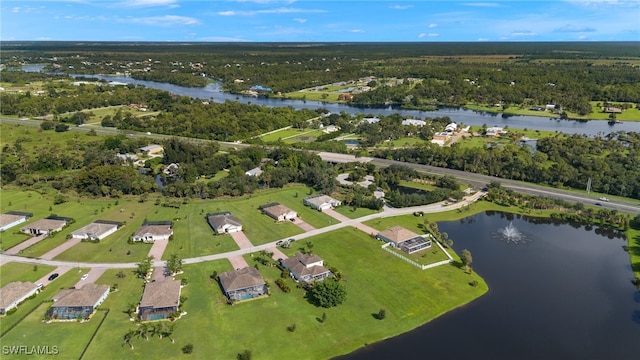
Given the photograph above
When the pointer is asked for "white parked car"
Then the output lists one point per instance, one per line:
(603, 199)
(84, 277)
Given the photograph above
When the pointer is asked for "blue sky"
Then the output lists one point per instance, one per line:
(328, 20)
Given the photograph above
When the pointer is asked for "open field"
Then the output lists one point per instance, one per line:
(632, 114)
(352, 213)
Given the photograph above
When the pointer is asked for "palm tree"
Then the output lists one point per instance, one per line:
(127, 338)
(168, 331)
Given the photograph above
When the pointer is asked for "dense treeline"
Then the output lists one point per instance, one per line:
(611, 163)
(447, 73)
(569, 85)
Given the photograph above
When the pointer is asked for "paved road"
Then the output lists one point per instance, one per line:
(388, 212)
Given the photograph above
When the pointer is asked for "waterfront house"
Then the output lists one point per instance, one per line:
(224, 222)
(405, 240)
(151, 149)
(306, 268)
(160, 299)
(243, 284)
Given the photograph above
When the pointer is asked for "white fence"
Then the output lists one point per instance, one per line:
(416, 264)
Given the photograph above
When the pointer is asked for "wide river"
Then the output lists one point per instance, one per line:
(212, 92)
(561, 292)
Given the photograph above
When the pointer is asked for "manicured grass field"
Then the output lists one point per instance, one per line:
(33, 324)
(22, 272)
(349, 212)
(213, 327)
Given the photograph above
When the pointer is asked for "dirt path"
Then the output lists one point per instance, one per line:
(25, 244)
(242, 240)
(60, 249)
(303, 225)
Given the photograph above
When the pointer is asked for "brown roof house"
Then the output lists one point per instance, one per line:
(160, 299)
(321, 202)
(306, 268)
(71, 304)
(14, 293)
(153, 231)
(279, 212)
(224, 222)
(404, 239)
(12, 219)
(97, 230)
(46, 226)
(243, 284)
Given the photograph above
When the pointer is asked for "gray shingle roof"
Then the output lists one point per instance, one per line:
(161, 294)
(240, 279)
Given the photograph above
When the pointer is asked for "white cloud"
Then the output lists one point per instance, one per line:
(356, 31)
(147, 3)
(281, 10)
(15, 9)
(400, 7)
(524, 33)
(483, 39)
(432, 25)
(582, 37)
(300, 20)
(421, 35)
(481, 4)
(574, 28)
(166, 20)
(432, 35)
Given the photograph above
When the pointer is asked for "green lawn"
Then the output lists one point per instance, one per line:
(14, 271)
(261, 325)
(633, 241)
(349, 212)
(34, 324)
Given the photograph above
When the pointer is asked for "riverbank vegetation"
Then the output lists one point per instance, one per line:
(529, 76)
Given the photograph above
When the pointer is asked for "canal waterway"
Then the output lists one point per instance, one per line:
(213, 92)
(556, 292)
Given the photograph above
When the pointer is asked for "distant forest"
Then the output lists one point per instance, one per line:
(567, 74)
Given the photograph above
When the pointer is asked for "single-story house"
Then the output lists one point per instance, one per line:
(550, 107)
(127, 157)
(159, 299)
(97, 230)
(495, 131)
(254, 172)
(329, 129)
(70, 304)
(306, 268)
(345, 97)
(224, 222)
(14, 293)
(444, 136)
(414, 122)
(452, 127)
(278, 212)
(405, 240)
(243, 284)
(612, 110)
(321, 202)
(371, 120)
(12, 218)
(171, 169)
(151, 149)
(46, 226)
(153, 231)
